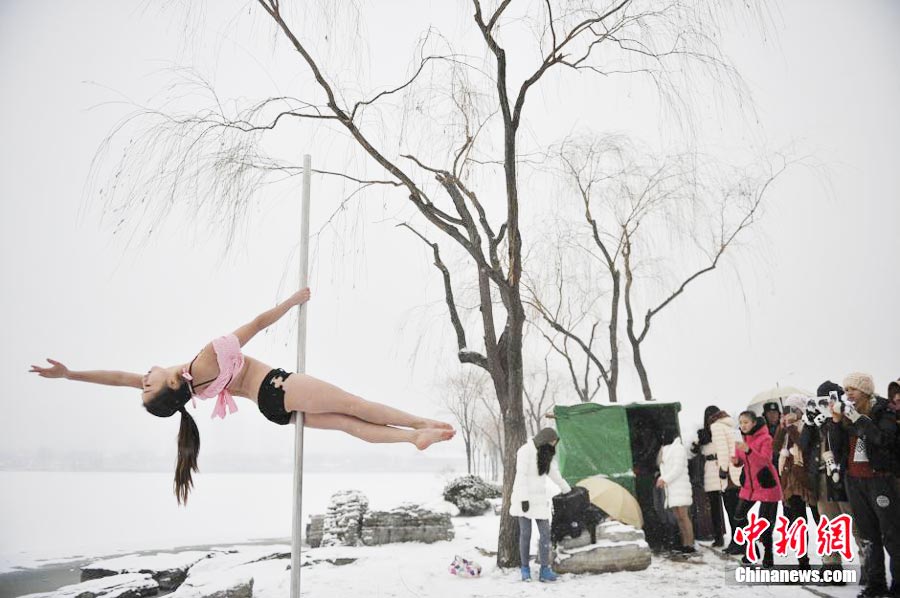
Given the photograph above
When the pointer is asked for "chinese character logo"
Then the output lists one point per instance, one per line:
(834, 536)
(750, 533)
(793, 536)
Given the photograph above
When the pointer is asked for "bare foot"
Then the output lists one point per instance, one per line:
(428, 436)
(424, 424)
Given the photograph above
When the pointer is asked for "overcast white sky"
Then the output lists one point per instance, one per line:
(813, 295)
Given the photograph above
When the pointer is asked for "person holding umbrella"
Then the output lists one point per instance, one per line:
(530, 499)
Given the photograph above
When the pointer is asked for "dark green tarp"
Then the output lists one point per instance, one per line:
(608, 439)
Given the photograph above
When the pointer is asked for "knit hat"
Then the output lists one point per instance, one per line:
(860, 381)
(545, 436)
(827, 387)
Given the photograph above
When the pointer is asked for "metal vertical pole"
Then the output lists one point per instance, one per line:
(301, 368)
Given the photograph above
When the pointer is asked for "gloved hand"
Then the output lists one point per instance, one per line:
(850, 412)
(525, 506)
(820, 420)
(784, 453)
(723, 474)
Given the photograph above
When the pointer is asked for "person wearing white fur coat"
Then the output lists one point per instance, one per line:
(530, 498)
(674, 479)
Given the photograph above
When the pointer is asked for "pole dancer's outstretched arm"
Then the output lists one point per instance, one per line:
(104, 377)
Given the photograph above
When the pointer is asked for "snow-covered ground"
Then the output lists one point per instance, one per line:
(47, 517)
(414, 569)
(56, 516)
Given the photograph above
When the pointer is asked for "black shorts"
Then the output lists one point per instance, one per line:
(271, 397)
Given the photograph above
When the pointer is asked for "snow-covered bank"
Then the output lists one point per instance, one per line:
(54, 516)
(414, 569)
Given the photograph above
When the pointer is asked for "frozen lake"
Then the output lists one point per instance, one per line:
(53, 516)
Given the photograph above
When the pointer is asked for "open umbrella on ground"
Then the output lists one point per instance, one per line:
(615, 500)
(778, 395)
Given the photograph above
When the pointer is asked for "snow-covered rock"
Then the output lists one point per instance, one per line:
(619, 547)
(343, 521)
(471, 494)
(612, 531)
(407, 523)
(231, 580)
(231, 557)
(314, 530)
(167, 568)
(129, 585)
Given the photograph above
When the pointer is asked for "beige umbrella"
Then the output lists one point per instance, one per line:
(778, 394)
(615, 500)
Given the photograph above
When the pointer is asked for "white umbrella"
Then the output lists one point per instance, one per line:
(778, 394)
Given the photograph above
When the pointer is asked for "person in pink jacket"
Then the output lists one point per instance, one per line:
(759, 479)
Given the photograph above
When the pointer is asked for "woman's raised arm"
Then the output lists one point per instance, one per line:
(105, 377)
(267, 318)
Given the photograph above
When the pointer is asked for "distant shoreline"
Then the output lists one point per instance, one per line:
(53, 576)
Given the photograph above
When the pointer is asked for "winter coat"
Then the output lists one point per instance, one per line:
(722, 429)
(673, 469)
(532, 487)
(814, 441)
(878, 429)
(760, 481)
(707, 451)
(791, 464)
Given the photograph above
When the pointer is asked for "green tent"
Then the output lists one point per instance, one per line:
(618, 441)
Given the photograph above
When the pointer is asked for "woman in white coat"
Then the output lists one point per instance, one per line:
(722, 429)
(531, 498)
(673, 477)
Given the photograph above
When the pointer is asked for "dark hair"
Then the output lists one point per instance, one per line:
(751, 415)
(165, 404)
(188, 451)
(708, 413)
(545, 454)
(668, 435)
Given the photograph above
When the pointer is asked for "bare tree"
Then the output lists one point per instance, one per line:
(451, 145)
(540, 395)
(733, 206)
(659, 206)
(464, 392)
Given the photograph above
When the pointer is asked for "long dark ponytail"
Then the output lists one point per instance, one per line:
(188, 450)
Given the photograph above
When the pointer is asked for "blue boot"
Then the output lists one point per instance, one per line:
(526, 573)
(547, 574)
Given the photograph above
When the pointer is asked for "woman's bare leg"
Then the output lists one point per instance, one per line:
(311, 395)
(373, 432)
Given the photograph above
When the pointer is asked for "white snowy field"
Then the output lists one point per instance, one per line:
(47, 517)
(56, 516)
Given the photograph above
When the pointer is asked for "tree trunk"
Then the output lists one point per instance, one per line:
(468, 457)
(612, 387)
(641, 370)
(508, 541)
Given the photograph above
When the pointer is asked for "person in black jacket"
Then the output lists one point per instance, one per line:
(864, 439)
(824, 474)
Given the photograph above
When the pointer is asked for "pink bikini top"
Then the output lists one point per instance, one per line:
(231, 360)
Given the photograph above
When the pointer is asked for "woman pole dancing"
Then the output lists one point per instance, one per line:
(220, 370)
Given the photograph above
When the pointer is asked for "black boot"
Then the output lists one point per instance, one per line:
(833, 582)
(718, 542)
(873, 591)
